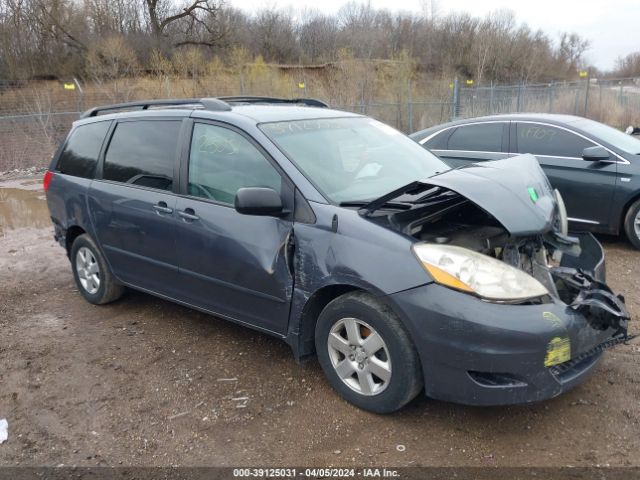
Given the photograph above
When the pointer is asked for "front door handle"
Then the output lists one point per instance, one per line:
(188, 214)
(161, 207)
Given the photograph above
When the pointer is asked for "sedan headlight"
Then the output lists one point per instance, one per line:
(473, 272)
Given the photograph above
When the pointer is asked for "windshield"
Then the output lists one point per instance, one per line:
(618, 139)
(353, 159)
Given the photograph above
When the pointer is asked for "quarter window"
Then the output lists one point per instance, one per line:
(546, 140)
(80, 155)
(438, 141)
(481, 137)
(143, 153)
(222, 161)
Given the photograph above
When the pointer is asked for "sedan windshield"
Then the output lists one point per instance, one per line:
(616, 138)
(353, 159)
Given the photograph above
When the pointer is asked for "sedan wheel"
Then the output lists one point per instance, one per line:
(359, 356)
(632, 224)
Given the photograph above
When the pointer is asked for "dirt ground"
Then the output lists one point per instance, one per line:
(146, 382)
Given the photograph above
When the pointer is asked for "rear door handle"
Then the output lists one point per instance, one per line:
(162, 207)
(188, 214)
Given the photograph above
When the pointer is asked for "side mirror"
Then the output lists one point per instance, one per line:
(594, 154)
(258, 201)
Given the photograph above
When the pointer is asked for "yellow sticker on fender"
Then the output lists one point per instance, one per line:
(558, 351)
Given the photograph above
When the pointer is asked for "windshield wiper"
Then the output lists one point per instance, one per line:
(384, 200)
(363, 203)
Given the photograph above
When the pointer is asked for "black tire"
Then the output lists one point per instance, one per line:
(405, 380)
(109, 289)
(629, 224)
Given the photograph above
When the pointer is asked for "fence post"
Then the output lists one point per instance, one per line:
(455, 106)
(620, 96)
(80, 95)
(586, 92)
(519, 98)
(599, 101)
(551, 97)
(491, 98)
(409, 106)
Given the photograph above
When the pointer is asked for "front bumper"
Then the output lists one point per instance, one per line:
(480, 353)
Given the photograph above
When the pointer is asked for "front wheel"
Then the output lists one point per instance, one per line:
(367, 354)
(632, 224)
(91, 273)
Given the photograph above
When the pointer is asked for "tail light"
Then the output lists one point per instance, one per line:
(48, 176)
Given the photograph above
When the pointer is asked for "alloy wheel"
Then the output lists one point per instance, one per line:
(88, 270)
(359, 356)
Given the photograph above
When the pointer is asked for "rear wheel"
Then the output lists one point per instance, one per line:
(93, 278)
(632, 224)
(367, 354)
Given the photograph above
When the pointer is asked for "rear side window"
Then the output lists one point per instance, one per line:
(546, 140)
(80, 154)
(143, 153)
(482, 137)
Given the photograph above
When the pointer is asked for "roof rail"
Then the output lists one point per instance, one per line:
(249, 100)
(220, 104)
(207, 103)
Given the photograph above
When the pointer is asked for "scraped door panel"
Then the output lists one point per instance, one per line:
(232, 264)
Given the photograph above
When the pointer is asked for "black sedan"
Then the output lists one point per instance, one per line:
(595, 167)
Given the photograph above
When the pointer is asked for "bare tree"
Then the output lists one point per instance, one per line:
(192, 22)
(628, 66)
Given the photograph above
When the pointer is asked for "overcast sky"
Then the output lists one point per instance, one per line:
(612, 27)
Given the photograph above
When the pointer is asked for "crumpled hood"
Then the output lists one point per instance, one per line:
(515, 191)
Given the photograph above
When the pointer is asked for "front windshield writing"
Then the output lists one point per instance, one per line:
(353, 159)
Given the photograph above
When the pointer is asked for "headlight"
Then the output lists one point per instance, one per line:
(473, 272)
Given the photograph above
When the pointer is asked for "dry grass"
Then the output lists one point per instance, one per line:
(382, 89)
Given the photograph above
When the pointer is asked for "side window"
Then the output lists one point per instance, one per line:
(222, 161)
(439, 141)
(482, 137)
(545, 140)
(143, 153)
(80, 155)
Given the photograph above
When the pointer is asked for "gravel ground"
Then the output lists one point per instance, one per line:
(146, 382)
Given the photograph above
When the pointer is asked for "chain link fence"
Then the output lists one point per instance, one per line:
(36, 115)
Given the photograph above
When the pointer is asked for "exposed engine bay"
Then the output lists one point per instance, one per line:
(570, 266)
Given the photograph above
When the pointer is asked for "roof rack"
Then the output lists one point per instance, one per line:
(207, 103)
(221, 104)
(250, 100)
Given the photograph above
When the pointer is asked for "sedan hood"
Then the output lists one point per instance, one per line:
(515, 191)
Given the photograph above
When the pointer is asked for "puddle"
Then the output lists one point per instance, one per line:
(21, 208)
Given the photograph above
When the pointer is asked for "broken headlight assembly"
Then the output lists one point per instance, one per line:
(472, 272)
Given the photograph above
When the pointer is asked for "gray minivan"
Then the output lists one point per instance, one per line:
(343, 237)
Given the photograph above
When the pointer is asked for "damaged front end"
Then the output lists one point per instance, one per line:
(508, 211)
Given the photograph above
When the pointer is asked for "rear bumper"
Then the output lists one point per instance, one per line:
(479, 353)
